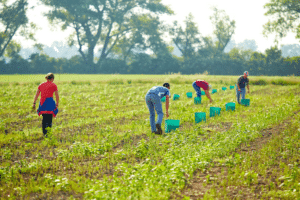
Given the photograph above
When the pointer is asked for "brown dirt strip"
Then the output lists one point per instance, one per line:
(197, 187)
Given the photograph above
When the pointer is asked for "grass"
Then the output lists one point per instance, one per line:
(101, 145)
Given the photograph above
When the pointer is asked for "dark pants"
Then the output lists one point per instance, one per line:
(47, 122)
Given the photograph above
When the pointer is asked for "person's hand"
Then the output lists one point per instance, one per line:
(211, 101)
(248, 91)
(56, 105)
(167, 113)
(33, 106)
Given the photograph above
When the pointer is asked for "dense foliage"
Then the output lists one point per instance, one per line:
(233, 63)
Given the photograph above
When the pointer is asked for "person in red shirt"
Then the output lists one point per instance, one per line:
(47, 106)
(205, 86)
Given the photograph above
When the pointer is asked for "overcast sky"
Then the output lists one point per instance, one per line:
(249, 17)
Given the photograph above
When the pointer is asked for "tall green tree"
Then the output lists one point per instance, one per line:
(102, 23)
(146, 35)
(186, 39)
(286, 15)
(209, 49)
(12, 18)
(224, 28)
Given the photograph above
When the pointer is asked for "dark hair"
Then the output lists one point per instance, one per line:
(49, 76)
(167, 85)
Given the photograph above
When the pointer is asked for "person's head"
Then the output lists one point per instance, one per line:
(209, 86)
(167, 85)
(50, 77)
(246, 73)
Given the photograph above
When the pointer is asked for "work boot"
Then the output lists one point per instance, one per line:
(159, 131)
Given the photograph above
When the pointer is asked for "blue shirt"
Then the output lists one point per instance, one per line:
(242, 82)
(160, 91)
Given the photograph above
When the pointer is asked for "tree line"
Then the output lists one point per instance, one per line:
(129, 37)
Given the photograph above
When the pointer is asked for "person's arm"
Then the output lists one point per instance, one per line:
(238, 82)
(57, 98)
(167, 105)
(35, 98)
(208, 95)
(248, 87)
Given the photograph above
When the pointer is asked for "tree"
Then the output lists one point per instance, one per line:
(187, 40)
(231, 44)
(101, 23)
(248, 44)
(273, 54)
(12, 18)
(274, 60)
(286, 14)
(209, 49)
(147, 35)
(257, 63)
(224, 28)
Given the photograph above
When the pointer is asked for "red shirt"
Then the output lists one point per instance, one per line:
(47, 89)
(202, 84)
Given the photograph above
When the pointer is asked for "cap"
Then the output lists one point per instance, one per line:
(209, 86)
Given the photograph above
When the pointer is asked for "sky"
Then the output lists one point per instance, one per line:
(249, 17)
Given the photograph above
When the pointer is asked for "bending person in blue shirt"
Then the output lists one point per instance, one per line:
(153, 100)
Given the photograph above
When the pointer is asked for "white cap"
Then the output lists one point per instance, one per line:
(209, 86)
(247, 73)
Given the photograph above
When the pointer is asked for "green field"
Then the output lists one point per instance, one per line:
(101, 146)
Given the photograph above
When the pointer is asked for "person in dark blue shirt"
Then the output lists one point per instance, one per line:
(153, 100)
(240, 89)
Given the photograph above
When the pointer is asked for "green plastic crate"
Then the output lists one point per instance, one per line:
(230, 106)
(163, 99)
(214, 91)
(197, 100)
(245, 102)
(202, 93)
(215, 111)
(224, 88)
(176, 96)
(200, 116)
(171, 124)
(189, 94)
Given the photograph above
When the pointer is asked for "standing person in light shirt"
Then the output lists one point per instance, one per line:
(205, 86)
(47, 106)
(153, 100)
(240, 89)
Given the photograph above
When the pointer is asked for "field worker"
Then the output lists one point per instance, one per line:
(205, 86)
(47, 106)
(241, 83)
(153, 100)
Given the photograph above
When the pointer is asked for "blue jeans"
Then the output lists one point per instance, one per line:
(197, 88)
(239, 93)
(153, 101)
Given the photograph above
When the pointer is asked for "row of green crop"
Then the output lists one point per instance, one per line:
(181, 159)
(141, 151)
(180, 108)
(270, 172)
